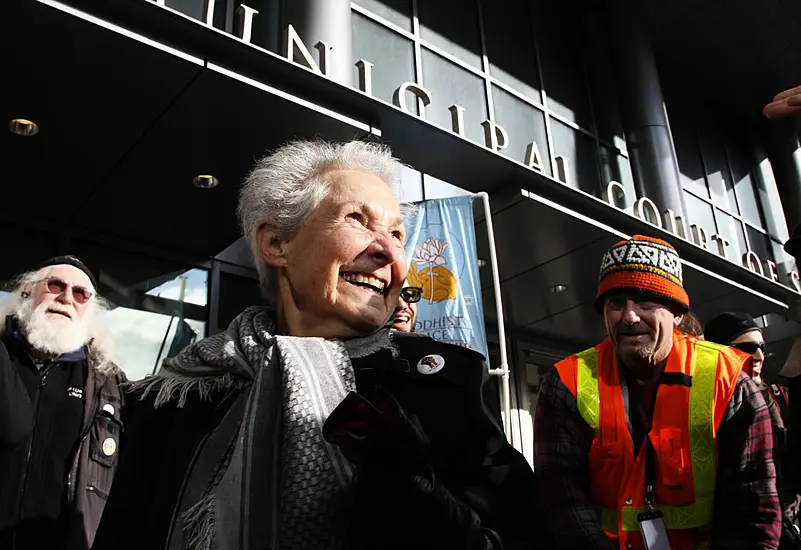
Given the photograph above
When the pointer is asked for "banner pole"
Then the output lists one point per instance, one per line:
(503, 369)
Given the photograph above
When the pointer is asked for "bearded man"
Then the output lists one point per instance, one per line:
(654, 438)
(60, 407)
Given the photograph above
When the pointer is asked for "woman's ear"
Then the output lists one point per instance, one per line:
(272, 247)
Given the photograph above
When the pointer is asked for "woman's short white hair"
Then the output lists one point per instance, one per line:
(285, 186)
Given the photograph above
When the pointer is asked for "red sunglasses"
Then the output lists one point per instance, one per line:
(57, 285)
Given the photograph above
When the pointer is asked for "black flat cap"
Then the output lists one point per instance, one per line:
(74, 262)
(727, 326)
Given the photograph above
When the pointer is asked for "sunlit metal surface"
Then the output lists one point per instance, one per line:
(205, 181)
(23, 127)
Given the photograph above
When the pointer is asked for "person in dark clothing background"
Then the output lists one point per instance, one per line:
(405, 315)
(739, 331)
(791, 376)
(59, 409)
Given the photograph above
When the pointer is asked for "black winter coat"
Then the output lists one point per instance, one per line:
(457, 407)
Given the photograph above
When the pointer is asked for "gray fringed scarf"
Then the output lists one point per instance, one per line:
(256, 486)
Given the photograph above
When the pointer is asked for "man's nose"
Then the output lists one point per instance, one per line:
(65, 296)
(631, 314)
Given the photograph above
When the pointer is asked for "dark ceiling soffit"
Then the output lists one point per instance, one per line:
(192, 37)
(457, 160)
(127, 245)
(693, 256)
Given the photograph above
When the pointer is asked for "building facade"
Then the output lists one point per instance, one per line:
(583, 121)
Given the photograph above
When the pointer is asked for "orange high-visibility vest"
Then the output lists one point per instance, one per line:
(685, 421)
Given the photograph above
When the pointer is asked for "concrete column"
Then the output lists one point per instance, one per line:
(328, 21)
(651, 152)
(785, 158)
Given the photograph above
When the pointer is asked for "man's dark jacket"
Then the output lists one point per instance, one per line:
(59, 434)
(457, 407)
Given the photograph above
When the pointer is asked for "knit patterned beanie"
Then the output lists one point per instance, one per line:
(642, 264)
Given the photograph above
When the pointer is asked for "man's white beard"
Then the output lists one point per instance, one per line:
(51, 333)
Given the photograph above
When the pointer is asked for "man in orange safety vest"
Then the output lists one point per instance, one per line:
(654, 439)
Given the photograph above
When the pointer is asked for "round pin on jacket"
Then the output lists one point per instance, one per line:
(109, 446)
(430, 364)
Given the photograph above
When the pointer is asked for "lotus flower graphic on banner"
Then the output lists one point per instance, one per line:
(441, 249)
(437, 282)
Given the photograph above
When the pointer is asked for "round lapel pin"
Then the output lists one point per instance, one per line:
(109, 446)
(430, 364)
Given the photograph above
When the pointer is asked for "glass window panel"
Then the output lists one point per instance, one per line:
(760, 243)
(742, 162)
(562, 68)
(602, 86)
(523, 123)
(438, 189)
(615, 167)
(143, 339)
(453, 28)
(450, 84)
(774, 319)
(394, 11)
(691, 168)
(194, 283)
(391, 54)
(732, 230)
(411, 185)
(710, 137)
(147, 319)
(784, 262)
(509, 34)
(193, 8)
(700, 213)
(579, 149)
(747, 198)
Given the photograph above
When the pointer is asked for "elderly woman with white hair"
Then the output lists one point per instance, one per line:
(310, 423)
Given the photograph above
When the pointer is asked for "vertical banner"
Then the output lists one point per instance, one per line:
(441, 251)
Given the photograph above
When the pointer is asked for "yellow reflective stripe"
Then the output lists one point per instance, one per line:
(702, 425)
(587, 394)
(702, 445)
(609, 520)
(690, 516)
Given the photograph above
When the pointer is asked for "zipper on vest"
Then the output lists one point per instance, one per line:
(23, 486)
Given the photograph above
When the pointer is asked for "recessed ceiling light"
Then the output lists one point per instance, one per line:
(556, 289)
(205, 181)
(23, 127)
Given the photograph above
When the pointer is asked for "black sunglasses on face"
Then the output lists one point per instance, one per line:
(750, 347)
(411, 294)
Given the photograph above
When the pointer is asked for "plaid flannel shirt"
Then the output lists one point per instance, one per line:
(747, 511)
